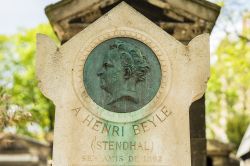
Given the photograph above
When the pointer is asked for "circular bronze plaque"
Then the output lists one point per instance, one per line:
(122, 75)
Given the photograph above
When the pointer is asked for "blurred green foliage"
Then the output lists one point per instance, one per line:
(23, 109)
(228, 93)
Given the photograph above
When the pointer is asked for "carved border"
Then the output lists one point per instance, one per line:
(155, 104)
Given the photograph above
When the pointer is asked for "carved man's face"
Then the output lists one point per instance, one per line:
(111, 73)
(118, 76)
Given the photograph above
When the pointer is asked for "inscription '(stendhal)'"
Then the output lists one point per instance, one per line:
(136, 128)
(125, 145)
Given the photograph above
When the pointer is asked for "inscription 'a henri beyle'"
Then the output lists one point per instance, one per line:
(136, 128)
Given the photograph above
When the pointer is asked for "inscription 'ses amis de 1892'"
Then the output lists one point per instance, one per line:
(122, 89)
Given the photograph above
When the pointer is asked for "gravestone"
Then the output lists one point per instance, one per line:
(122, 89)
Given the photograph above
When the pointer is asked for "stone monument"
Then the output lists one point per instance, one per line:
(122, 89)
(183, 19)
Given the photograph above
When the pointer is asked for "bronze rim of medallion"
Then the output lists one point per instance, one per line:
(99, 111)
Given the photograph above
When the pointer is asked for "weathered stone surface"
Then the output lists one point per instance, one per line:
(183, 19)
(86, 133)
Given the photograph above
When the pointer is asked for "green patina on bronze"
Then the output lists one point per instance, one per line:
(122, 75)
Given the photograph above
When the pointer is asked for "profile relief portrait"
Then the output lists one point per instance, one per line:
(123, 67)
